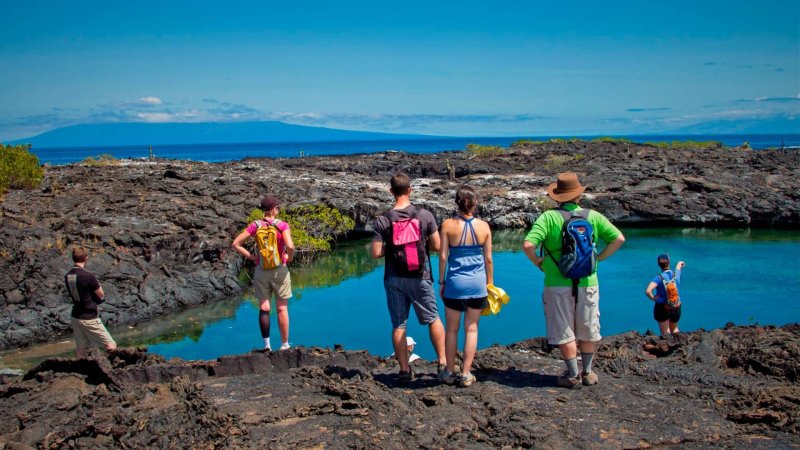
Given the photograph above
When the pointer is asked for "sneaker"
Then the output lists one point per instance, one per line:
(466, 380)
(447, 377)
(589, 379)
(268, 348)
(286, 346)
(405, 376)
(570, 383)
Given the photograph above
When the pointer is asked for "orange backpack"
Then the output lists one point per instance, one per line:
(671, 287)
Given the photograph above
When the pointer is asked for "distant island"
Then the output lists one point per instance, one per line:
(133, 133)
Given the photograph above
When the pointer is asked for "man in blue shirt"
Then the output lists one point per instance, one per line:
(667, 317)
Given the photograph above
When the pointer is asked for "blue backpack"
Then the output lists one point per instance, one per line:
(578, 251)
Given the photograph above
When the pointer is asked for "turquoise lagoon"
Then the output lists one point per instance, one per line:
(745, 276)
(740, 276)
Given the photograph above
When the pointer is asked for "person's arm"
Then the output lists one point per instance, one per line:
(434, 242)
(680, 265)
(649, 291)
(100, 295)
(377, 249)
(444, 251)
(288, 244)
(530, 251)
(487, 256)
(611, 247)
(237, 245)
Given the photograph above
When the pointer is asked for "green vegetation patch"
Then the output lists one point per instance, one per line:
(314, 227)
(105, 159)
(19, 168)
(705, 145)
(612, 140)
(483, 151)
(557, 162)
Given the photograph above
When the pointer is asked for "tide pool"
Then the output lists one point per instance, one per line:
(740, 276)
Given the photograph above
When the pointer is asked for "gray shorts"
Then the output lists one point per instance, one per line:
(402, 293)
(566, 321)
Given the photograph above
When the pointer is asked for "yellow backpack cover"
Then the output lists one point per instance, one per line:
(267, 242)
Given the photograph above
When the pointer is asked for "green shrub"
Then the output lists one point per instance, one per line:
(483, 151)
(314, 227)
(612, 140)
(19, 168)
(706, 145)
(105, 159)
(556, 162)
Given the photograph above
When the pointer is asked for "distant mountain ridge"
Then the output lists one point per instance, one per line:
(135, 133)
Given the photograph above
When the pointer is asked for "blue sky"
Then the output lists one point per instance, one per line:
(447, 68)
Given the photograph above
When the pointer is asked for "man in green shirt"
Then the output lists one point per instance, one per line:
(569, 318)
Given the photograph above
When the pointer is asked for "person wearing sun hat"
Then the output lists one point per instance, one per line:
(572, 321)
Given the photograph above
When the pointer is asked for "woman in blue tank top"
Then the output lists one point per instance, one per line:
(465, 268)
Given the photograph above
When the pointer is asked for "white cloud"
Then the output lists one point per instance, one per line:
(155, 117)
(151, 100)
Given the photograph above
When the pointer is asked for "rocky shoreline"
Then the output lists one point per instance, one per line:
(730, 388)
(160, 232)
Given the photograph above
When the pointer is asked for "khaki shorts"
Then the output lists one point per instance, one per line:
(91, 332)
(565, 321)
(269, 281)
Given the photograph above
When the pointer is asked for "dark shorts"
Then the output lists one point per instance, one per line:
(403, 293)
(662, 314)
(461, 304)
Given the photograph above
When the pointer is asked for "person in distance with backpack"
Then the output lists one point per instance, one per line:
(275, 251)
(571, 296)
(405, 235)
(663, 290)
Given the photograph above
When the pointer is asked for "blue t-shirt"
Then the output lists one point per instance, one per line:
(661, 291)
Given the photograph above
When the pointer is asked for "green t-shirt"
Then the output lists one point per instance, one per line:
(547, 230)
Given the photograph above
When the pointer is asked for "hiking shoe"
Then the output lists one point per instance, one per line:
(570, 383)
(405, 376)
(286, 346)
(589, 379)
(447, 377)
(466, 380)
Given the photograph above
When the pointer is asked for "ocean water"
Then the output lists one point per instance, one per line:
(233, 152)
(730, 276)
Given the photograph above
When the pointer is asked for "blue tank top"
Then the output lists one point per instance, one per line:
(466, 268)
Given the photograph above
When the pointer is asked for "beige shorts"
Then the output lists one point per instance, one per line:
(91, 332)
(565, 321)
(277, 281)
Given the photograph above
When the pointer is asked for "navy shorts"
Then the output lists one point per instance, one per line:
(662, 314)
(461, 304)
(402, 293)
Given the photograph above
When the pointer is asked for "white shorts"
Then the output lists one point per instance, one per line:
(566, 321)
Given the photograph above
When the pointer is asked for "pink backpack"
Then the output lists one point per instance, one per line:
(407, 247)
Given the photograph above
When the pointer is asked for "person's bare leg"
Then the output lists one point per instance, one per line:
(436, 331)
(400, 348)
(453, 318)
(283, 319)
(471, 318)
(664, 328)
(673, 327)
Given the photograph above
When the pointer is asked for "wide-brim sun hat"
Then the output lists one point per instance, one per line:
(567, 187)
